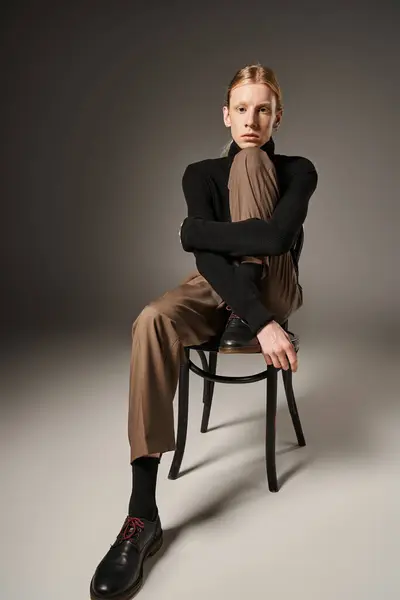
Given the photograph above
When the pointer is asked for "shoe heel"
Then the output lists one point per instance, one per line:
(156, 546)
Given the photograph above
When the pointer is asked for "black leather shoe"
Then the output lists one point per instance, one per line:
(237, 337)
(119, 575)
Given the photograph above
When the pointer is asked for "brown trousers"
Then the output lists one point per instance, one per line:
(193, 312)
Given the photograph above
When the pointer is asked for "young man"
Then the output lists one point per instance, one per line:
(245, 211)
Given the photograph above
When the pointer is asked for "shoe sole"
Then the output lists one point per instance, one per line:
(132, 591)
(239, 350)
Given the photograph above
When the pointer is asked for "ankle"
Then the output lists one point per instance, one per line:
(142, 503)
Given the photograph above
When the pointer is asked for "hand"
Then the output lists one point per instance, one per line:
(277, 348)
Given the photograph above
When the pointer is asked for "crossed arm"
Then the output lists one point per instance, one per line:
(256, 237)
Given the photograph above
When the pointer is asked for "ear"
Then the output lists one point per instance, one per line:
(227, 119)
(278, 119)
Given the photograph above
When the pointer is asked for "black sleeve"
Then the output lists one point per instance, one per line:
(256, 237)
(217, 269)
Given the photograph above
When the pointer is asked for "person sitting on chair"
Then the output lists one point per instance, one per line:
(245, 210)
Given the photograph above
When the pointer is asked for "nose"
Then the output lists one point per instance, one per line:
(251, 119)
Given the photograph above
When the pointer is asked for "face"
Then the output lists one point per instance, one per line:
(252, 110)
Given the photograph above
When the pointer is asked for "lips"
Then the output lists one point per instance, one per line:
(250, 135)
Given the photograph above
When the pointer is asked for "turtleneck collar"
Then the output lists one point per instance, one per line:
(268, 147)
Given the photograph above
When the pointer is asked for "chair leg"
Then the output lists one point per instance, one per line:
(287, 382)
(208, 391)
(183, 411)
(270, 454)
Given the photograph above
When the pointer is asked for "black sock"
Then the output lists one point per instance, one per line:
(144, 479)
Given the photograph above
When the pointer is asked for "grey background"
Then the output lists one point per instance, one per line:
(104, 105)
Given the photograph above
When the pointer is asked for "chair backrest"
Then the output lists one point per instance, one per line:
(298, 245)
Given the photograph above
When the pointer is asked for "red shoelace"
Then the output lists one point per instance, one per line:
(232, 315)
(131, 527)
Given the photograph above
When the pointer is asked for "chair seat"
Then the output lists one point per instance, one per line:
(212, 345)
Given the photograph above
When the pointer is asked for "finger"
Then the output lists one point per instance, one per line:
(275, 360)
(292, 356)
(283, 359)
(268, 359)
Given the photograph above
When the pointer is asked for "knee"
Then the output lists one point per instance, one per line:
(146, 319)
(252, 156)
(251, 151)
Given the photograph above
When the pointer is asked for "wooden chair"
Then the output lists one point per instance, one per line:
(208, 373)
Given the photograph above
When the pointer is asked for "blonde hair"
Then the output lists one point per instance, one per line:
(256, 73)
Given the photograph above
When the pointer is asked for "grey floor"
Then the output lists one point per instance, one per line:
(331, 532)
